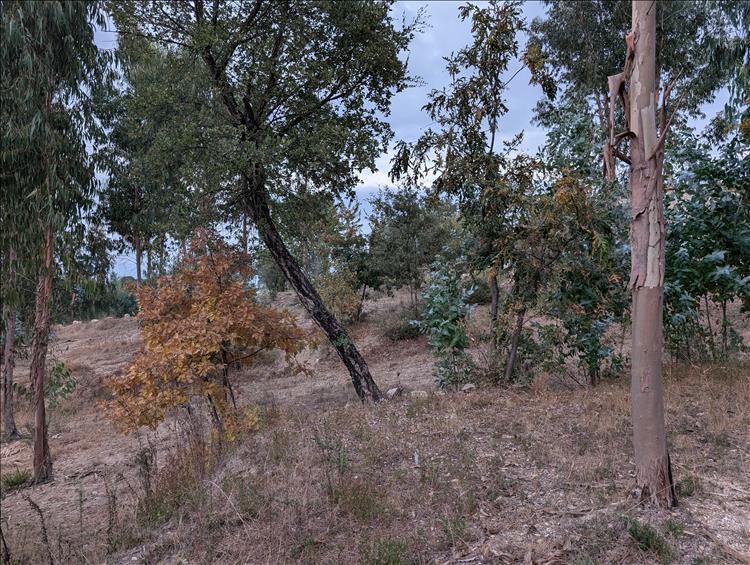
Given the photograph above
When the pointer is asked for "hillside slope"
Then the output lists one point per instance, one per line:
(496, 475)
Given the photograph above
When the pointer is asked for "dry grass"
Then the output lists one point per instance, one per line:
(495, 476)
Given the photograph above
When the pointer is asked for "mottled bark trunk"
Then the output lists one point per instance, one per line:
(42, 457)
(362, 380)
(495, 296)
(515, 339)
(9, 363)
(9, 356)
(647, 233)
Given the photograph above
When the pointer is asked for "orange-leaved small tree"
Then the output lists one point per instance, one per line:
(196, 324)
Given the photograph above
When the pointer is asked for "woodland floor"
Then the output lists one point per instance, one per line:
(535, 475)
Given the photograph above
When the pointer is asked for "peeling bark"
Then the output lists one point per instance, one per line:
(647, 235)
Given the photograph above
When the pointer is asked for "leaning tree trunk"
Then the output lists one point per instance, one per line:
(647, 234)
(42, 457)
(362, 380)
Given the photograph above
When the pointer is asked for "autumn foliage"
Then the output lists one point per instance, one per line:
(196, 325)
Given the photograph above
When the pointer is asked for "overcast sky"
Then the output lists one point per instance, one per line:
(446, 33)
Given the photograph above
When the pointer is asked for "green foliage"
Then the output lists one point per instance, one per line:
(408, 231)
(51, 74)
(707, 248)
(15, 480)
(649, 539)
(401, 328)
(443, 321)
(59, 383)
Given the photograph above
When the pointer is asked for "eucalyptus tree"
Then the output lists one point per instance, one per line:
(636, 86)
(51, 71)
(702, 47)
(303, 87)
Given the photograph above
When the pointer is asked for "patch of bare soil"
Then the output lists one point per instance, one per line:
(492, 476)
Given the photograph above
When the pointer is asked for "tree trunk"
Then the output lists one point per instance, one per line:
(724, 328)
(711, 344)
(245, 235)
(647, 233)
(137, 235)
(138, 254)
(514, 345)
(9, 362)
(363, 382)
(495, 293)
(42, 457)
(9, 356)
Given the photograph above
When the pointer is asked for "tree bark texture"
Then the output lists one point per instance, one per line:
(40, 339)
(364, 385)
(9, 362)
(495, 296)
(515, 339)
(9, 356)
(647, 236)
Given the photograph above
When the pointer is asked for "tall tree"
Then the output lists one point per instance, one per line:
(636, 86)
(302, 87)
(51, 72)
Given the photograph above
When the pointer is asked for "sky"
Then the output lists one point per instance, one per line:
(446, 33)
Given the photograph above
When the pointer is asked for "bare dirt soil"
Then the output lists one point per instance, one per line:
(497, 475)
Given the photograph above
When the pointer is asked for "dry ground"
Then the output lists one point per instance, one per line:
(493, 476)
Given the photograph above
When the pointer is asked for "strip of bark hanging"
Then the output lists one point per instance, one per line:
(616, 84)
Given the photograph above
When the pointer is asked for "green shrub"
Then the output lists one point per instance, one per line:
(15, 480)
(401, 329)
(686, 487)
(648, 539)
(443, 321)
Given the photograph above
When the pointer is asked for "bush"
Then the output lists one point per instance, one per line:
(15, 480)
(401, 329)
(443, 320)
(196, 325)
(648, 539)
(480, 293)
(340, 292)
